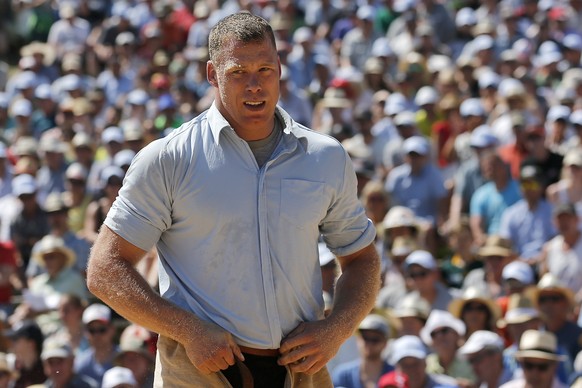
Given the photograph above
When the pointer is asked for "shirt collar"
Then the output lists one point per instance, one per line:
(218, 123)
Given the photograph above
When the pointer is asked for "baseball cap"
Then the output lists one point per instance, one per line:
(572, 42)
(558, 112)
(482, 42)
(519, 271)
(112, 134)
(426, 95)
(123, 158)
(116, 376)
(465, 17)
(393, 379)
(576, 117)
(76, 171)
(97, 312)
(489, 79)
(472, 107)
(381, 48)
(438, 319)
(137, 97)
(365, 12)
(422, 258)
(416, 144)
(573, 157)
(480, 340)
(407, 346)
(564, 208)
(55, 348)
(21, 107)
(23, 184)
(531, 172)
(375, 322)
(110, 172)
(137, 339)
(396, 104)
(54, 203)
(483, 137)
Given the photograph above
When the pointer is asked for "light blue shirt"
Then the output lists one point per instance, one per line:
(489, 204)
(238, 244)
(421, 192)
(528, 230)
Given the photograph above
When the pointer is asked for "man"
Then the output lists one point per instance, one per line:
(98, 358)
(239, 272)
(26, 346)
(539, 360)
(484, 351)
(373, 334)
(136, 345)
(527, 223)
(408, 356)
(57, 359)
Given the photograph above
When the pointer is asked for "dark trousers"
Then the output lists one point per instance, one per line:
(265, 371)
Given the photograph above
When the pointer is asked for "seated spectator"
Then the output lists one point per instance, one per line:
(57, 359)
(539, 360)
(71, 328)
(476, 310)
(569, 188)
(393, 278)
(484, 351)
(100, 355)
(422, 277)
(443, 333)
(136, 352)
(373, 334)
(527, 223)
(409, 357)
(412, 311)
(26, 346)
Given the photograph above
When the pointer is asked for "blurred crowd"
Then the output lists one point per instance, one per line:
(463, 119)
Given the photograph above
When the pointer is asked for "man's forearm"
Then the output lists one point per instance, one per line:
(356, 291)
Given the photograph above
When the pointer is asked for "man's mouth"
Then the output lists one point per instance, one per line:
(254, 103)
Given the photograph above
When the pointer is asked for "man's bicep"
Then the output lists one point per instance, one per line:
(111, 246)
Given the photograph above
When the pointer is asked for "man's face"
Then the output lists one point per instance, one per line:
(54, 262)
(538, 372)
(484, 363)
(414, 368)
(371, 343)
(419, 278)
(246, 78)
(59, 369)
(100, 334)
(553, 304)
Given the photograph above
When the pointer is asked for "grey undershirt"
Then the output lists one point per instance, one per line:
(263, 149)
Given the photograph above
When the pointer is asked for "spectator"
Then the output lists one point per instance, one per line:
(119, 377)
(373, 334)
(27, 340)
(484, 351)
(135, 353)
(99, 357)
(442, 333)
(476, 310)
(57, 358)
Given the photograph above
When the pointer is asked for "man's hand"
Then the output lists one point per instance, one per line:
(212, 349)
(309, 347)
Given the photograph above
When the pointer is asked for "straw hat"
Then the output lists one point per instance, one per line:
(496, 246)
(50, 244)
(550, 283)
(412, 305)
(520, 309)
(474, 294)
(335, 98)
(539, 344)
(45, 49)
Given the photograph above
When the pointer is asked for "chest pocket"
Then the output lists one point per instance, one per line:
(302, 202)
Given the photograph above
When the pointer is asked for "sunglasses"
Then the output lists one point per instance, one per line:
(417, 274)
(550, 298)
(542, 367)
(372, 339)
(97, 330)
(443, 331)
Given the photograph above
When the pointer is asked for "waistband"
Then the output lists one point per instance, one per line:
(260, 352)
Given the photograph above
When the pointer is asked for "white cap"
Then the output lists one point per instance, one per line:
(407, 118)
(426, 95)
(111, 171)
(407, 346)
(480, 340)
(465, 17)
(76, 171)
(472, 107)
(416, 144)
(420, 257)
(483, 137)
(558, 112)
(112, 134)
(576, 117)
(325, 255)
(55, 348)
(489, 79)
(21, 107)
(438, 62)
(71, 82)
(549, 58)
(137, 97)
(520, 271)
(97, 312)
(395, 103)
(381, 48)
(43, 92)
(572, 42)
(482, 42)
(375, 322)
(23, 184)
(365, 12)
(511, 87)
(123, 158)
(118, 375)
(25, 80)
(438, 319)
(401, 6)
(302, 34)
(548, 47)
(399, 216)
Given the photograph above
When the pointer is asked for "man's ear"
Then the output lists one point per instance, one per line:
(211, 74)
